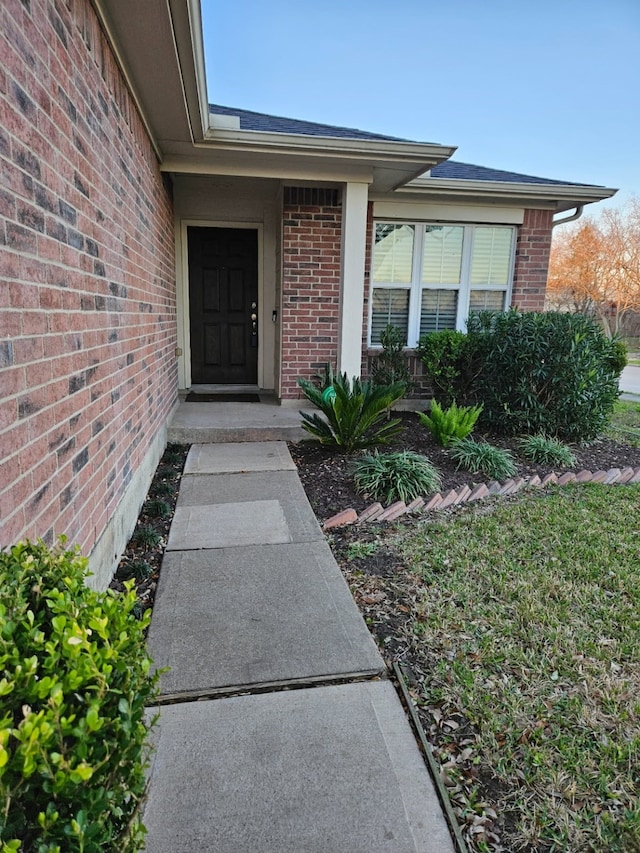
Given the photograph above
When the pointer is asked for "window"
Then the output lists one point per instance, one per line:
(427, 277)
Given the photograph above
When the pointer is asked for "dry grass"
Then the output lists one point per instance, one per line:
(522, 622)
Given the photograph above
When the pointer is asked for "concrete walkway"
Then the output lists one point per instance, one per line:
(630, 383)
(277, 730)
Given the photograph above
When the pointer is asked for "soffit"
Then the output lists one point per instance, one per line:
(154, 47)
(383, 165)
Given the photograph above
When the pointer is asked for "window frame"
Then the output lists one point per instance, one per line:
(416, 286)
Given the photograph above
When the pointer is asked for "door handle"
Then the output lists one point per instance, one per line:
(254, 326)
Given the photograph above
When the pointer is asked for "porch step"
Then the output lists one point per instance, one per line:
(215, 423)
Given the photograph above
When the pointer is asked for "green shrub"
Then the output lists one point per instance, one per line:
(76, 679)
(546, 373)
(138, 569)
(390, 477)
(450, 424)
(480, 457)
(146, 536)
(547, 451)
(163, 490)
(166, 473)
(391, 365)
(157, 508)
(619, 355)
(356, 417)
(444, 355)
(174, 454)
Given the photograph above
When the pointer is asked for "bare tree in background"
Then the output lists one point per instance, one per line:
(595, 267)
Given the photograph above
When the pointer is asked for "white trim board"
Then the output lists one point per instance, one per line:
(430, 211)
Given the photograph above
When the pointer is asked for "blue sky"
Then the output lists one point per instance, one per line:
(549, 88)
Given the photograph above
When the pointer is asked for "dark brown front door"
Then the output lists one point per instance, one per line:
(223, 305)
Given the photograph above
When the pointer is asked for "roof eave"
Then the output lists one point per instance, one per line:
(562, 196)
(430, 153)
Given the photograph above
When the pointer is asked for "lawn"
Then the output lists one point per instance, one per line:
(520, 620)
(625, 424)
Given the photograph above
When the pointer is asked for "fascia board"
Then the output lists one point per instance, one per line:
(500, 189)
(187, 34)
(253, 167)
(373, 149)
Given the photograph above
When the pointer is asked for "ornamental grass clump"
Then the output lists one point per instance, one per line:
(390, 477)
(547, 451)
(448, 425)
(356, 415)
(76, 680)
(480, 457)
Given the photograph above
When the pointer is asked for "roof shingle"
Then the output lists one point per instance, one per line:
(250, 120)
(469, 172)
(449, 169)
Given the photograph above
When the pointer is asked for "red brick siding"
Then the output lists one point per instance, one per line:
(311, 240)
(87, 279)
(532, 260)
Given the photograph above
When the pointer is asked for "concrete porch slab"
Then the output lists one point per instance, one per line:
(256, 615)
(284, 486)
(331, 768)
(239, 457)
(224, 525)
(207, 423)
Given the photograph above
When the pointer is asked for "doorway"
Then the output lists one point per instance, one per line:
(223, 305)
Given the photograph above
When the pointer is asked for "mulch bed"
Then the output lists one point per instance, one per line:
(325, 473)
(143, 555)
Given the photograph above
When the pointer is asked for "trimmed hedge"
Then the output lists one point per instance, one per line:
(537, 372)
(544, 372)
(72, 699)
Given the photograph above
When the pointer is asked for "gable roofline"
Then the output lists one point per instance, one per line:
(446, 177)
(265, 122)
(305, 148)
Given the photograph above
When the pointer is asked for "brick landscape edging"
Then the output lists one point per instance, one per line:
(468, 494)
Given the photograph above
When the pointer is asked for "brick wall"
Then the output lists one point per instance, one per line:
(87, 279)
(532, 260)
(311, 239)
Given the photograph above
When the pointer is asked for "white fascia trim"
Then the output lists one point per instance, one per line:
(197, 41)
(378, 149)
(188, 46)
(502, 189)
(309, 170)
